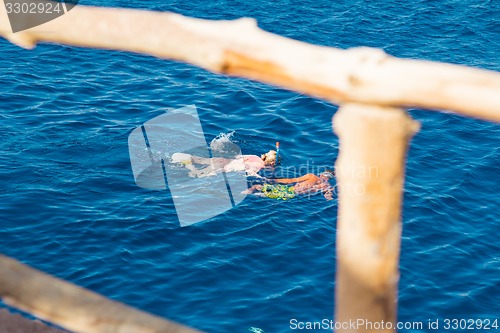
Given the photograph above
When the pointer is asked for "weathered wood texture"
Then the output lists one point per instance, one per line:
(15, 323)
(373, 134)
(370, 176)
(240, 48)
(72, 307)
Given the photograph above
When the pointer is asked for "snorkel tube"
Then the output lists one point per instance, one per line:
(277, 153)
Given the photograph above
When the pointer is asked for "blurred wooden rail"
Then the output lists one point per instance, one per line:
(240, 48)
(72, 307)
(371, 87)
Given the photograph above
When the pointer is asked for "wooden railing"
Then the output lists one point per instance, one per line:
(72, 307)
(371, 87)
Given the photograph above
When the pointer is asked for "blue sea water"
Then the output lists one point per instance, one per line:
(69, 205)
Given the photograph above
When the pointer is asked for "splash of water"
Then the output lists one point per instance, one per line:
(222, 143)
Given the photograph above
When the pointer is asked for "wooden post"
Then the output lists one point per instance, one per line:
(370, 175)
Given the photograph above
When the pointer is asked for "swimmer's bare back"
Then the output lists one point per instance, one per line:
(249, 163)
(309, 183)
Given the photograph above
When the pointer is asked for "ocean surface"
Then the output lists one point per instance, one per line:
(70, 207)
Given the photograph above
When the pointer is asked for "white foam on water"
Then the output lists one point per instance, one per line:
(222, 143)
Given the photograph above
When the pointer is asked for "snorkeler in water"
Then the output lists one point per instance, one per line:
(252, 164)
(307, 184)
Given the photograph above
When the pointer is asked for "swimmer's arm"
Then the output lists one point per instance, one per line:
(328, 195)
(292, 180)
(253, 189)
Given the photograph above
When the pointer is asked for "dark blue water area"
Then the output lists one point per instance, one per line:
(69, 205)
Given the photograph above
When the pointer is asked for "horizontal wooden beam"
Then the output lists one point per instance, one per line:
(240, 48)
(72, 307)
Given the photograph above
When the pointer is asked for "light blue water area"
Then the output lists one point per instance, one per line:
(69, 204)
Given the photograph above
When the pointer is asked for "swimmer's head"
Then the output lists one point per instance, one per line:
(327, 174)
(269, 158)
